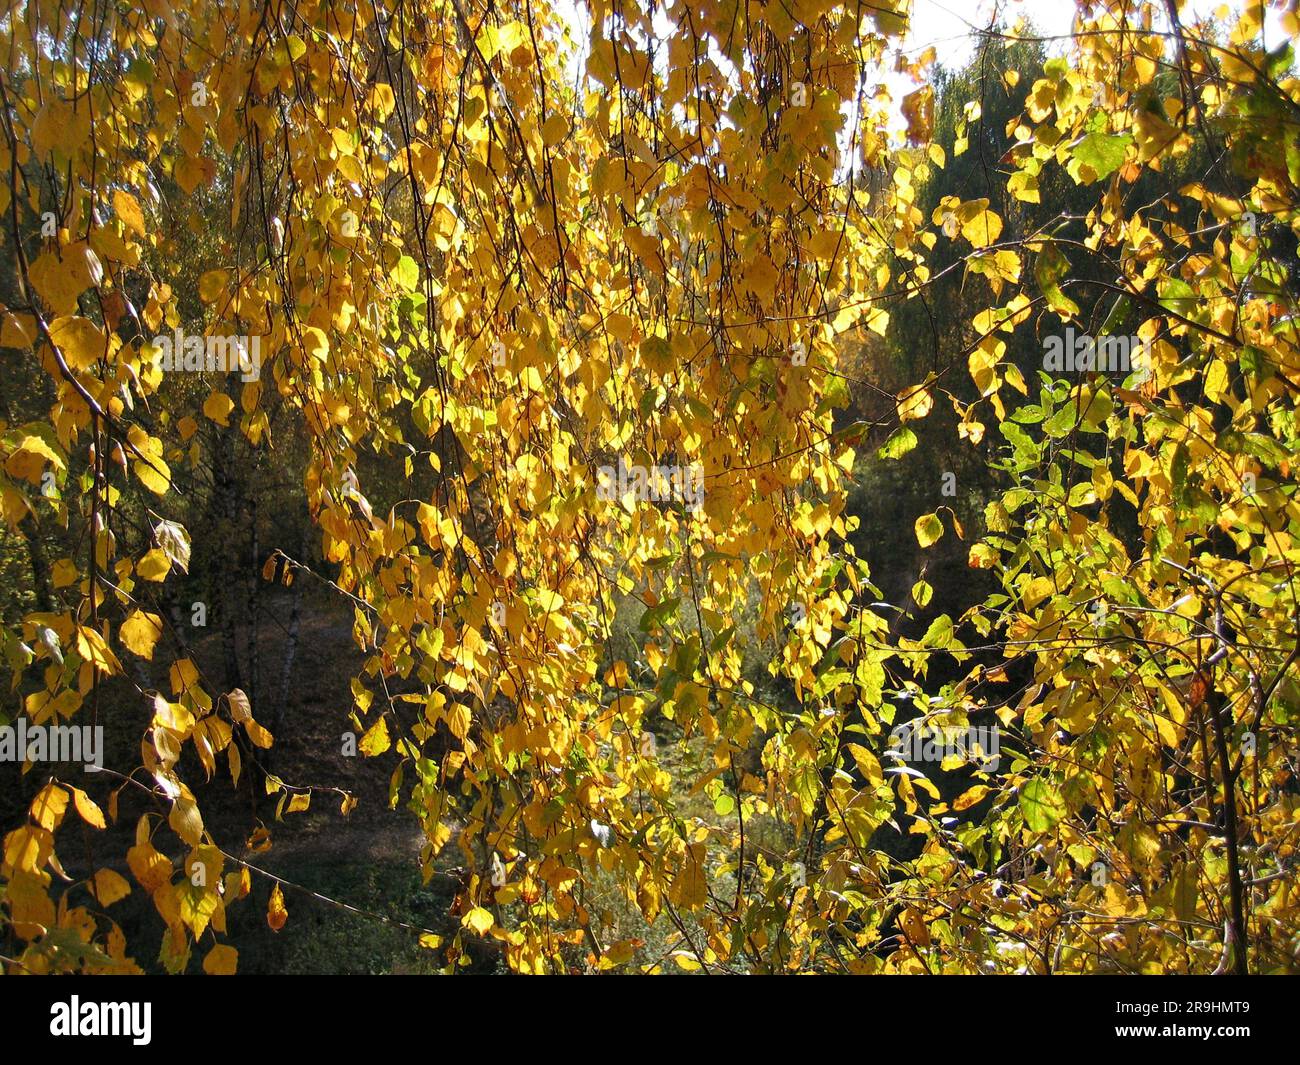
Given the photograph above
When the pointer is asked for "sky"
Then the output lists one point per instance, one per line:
(951, 25)
(948, 24)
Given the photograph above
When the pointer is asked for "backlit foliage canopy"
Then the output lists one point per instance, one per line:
(501, 254)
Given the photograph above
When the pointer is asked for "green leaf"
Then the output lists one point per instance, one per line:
(1049, 267)
(1176, 295)
(1103, 152)
(900, 442)
(1042, 805)
(928, 529)
(1252, 360)
(939, 634)
(406, 273)
(660, 616)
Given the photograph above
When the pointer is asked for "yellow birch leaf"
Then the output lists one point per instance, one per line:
(140, 633)
(88, 809)
(221, 960)
(276, 914)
